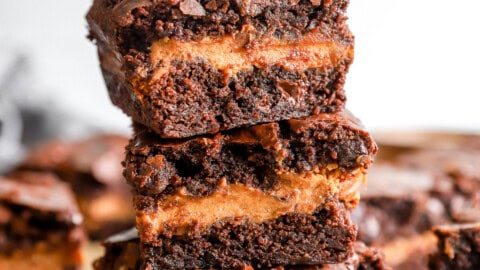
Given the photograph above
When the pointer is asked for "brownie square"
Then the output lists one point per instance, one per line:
(200, 200)
(40, 225)
(186, 68)
(92, 166)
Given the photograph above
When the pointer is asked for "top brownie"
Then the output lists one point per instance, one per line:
(185, 68)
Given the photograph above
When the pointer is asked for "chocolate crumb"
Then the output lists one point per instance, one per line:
(192, 7)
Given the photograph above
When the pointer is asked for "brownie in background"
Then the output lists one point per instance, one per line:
(93, 168)
(458, 247)
(41, 227)
(419, 181)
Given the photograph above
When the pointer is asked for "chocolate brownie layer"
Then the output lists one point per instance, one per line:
(196, 99)
(93, 167)
(122, 251)
(458, 247)
(180, 87)
(253, 156)
(39, 223)
(134, 24)
(326, 236)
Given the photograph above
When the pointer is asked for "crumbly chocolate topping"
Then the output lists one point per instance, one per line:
(136, 24)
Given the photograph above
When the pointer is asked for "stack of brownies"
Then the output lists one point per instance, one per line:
(243, 156)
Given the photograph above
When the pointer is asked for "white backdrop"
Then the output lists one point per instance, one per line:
(416, 61)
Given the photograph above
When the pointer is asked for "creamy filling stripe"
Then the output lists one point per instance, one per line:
(230, 54)
(294, 193)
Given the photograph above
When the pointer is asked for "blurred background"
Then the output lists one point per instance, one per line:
(416, 68)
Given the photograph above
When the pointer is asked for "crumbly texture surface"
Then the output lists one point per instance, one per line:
(122, 251)
(327, 236)
(93, 168)
(194, 97)
(250, 156)
(458, 247)
(133, 24)
(37, 215)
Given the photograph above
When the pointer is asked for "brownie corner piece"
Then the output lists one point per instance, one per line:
(458, 247)
(40, 224)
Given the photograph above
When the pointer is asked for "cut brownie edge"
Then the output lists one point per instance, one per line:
(326, 236)
(224, 81)
(252, 156)
(122, 251)
(209, 104)
(182, 212)
(136, 24)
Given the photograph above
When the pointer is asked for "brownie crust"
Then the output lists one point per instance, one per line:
(250, 156)
(406, 192)
(459, 170)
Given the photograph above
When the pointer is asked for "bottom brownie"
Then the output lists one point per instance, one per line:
(458, 247)
(123, 252)
(325, 236)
